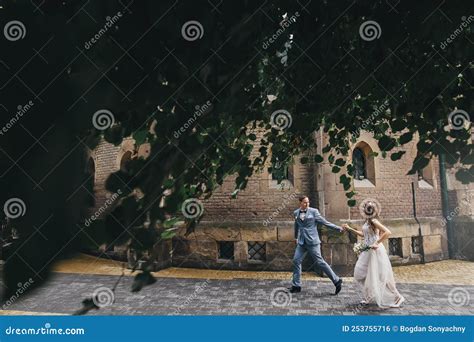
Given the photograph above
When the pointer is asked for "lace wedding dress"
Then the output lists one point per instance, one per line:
(373, 271)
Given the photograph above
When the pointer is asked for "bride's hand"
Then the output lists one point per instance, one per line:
(374, 246)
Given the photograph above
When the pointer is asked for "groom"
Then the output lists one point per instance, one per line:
(307, 240)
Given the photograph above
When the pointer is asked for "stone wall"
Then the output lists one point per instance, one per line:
(463, 238)
(106, 159)
(201, 248)
(461, 215)
(263, 196)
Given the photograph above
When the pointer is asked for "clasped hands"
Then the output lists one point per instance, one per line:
(346, 227)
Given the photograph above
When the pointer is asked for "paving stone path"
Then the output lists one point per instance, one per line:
(179, 296)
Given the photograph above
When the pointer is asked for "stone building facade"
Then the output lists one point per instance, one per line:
(461, 215)
(255, 230)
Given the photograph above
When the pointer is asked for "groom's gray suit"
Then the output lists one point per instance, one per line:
(306, 234)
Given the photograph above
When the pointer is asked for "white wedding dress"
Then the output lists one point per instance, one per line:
(373, 271)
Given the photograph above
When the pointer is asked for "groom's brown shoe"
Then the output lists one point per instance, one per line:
(338, 286)
(295, 289)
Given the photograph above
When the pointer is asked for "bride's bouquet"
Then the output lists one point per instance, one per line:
(360, 247)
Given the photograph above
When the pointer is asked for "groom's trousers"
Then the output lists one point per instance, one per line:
(315, 253)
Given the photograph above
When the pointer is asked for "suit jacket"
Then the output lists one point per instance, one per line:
(306, 231)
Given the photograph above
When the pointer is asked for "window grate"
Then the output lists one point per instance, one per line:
(226, 250)
(257, 250)
(416, 244)
(395, 246)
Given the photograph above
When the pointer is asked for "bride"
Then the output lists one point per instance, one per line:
(373, 270)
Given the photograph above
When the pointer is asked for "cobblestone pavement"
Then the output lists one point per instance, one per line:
(442, 288)
(453, 272)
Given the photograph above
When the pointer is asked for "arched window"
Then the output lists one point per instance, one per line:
(90, 184)
(425, 177)
(364, 166)
(358, 160)
(281, 176)
(126, 157)
(279, 170)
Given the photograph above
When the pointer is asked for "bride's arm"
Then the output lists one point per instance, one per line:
(359, 233)
(385, 232)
